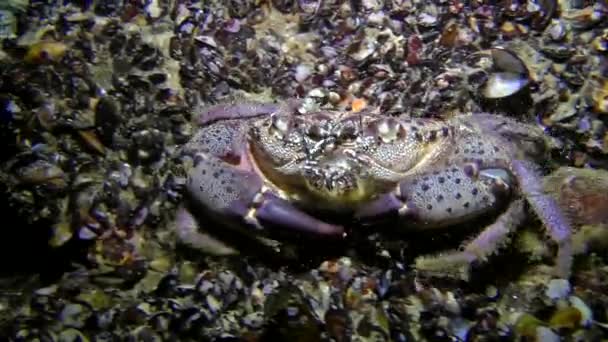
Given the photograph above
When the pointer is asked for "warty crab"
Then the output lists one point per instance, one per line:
(268, 165)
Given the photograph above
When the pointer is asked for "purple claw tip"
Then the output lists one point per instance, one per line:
(383, 205)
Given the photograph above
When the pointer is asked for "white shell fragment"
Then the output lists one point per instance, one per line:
(503, 84)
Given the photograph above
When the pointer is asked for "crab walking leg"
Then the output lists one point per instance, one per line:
(241, 195)
(234, 111)
(457, 264)
(188, 233)
(548, 211)
(447, 196)
(243, 110)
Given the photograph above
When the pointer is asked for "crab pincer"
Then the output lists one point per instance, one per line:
(231, 192)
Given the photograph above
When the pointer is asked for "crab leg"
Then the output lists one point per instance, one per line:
(457, 264)
(548, 211)
(449, 196)
(188, 232)
(243, 111)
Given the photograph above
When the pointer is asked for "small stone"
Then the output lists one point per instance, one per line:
(557, 289)
(302, 73)
(317, 92)
(491, 291)
(254, 320)
(74, 315)
(46, 291)
(546, 335)
(85, 233)
(557, 31)
(334, 97)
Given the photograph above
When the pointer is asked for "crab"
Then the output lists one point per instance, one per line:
(264, 165)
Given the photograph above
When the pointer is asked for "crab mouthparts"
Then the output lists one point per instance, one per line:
(335, 181)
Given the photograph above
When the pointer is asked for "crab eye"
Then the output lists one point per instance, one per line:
(387, 130)
(316, 132)
(280, 126)
(347, 130)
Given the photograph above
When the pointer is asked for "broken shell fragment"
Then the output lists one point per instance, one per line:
(90, 139)
(597, 94)
(45, 51)
(42, 172)
(587, 17)
(60, 234)
(576, 190)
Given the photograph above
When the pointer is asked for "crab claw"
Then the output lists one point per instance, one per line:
(230, 192)
(189, 233)
(446, 196)
(381, 207)
(271, 210)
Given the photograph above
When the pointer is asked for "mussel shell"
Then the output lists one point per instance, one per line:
(558, 52)
(518, 103)
(503, 84)
(507, 61)
(542, 18)
(42, 172)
